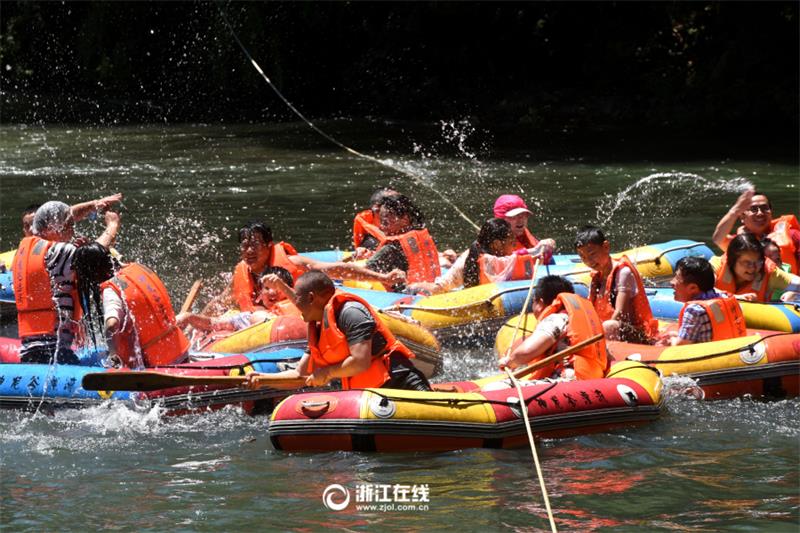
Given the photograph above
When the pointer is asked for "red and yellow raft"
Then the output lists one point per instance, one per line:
(461, 415)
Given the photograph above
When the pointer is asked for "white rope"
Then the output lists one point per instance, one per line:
(416, 178)
(524, 408)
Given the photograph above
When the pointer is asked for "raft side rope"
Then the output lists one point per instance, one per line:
(414, 177)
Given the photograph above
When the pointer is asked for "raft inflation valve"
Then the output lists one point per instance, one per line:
(382, 407)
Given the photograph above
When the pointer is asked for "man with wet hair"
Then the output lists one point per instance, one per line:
(367, 233)
(44, 284)
(79, 211)
(346, 340)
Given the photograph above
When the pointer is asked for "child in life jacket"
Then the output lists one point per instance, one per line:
(272, 303)
(616, 290)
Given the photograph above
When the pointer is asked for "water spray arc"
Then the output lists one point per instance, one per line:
(416, 178)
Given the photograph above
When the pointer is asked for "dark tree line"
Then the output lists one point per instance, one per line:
(713, 66)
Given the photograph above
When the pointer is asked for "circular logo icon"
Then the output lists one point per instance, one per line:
(333, 493)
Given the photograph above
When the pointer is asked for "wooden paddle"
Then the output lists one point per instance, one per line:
(522, 372)
(192, 296)
(132, 380)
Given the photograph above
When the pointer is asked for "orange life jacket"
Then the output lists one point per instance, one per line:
(523, 268)
(527, 240)
(590, 362)
(33, 291)
(421, 253)
(328, 345)
(151, 320)
(725, 280)
(364, 224)
(727, 320)
(246, 290)
(642, 314)
(285, 308)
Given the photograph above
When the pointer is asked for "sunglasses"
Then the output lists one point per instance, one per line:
(763, 208)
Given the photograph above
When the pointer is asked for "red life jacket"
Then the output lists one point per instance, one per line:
(366, 223)
(150, 321)
(526, 240)
(642, 314)
(33, 290)
(725, 280)
(421, 254)
(523, 268)
(590, 362)
(245, 289)
(727, 320)
(328, 345)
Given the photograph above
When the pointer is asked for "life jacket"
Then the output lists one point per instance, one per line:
(725, 280)
(780, 235)
(245, 289)
(33, 290)
(523, 269)
(150, 321)
(526, 240)
(421, 253)
(328, 345)
(642, 314)
(590, 362)
(364, 224)
(285, 308)
(727, 320)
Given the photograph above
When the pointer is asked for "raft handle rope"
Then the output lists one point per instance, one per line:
(416, 178)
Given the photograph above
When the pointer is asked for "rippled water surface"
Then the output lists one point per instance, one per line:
(727, 465)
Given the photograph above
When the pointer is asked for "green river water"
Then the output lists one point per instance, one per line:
(704, 466)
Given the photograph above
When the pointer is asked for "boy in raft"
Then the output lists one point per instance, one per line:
(131, 306)
(346, 340)
(272, 303)
(489, 259)
(706, 315)
(408, 247)
(773, 252)
(616, 290)
(746, 272)
(514, 210)
(258, 251)
(754, 210)
(44, 284)
(564, 319)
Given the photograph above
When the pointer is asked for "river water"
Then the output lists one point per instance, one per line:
(705, 466)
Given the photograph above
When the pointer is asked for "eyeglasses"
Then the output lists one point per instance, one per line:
(757, 265)
(765, 208)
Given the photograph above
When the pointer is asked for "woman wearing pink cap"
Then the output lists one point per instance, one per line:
(513, 210)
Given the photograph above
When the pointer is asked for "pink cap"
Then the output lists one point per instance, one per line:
(510, 205)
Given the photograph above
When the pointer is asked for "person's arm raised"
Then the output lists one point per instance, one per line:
(726, 223)
(112, 227)
(82, 210)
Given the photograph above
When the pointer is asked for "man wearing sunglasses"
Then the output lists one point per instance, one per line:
(754, 210)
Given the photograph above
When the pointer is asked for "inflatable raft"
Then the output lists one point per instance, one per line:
(764, 363)
(459, 415)
(481, 310)
(31, 386)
